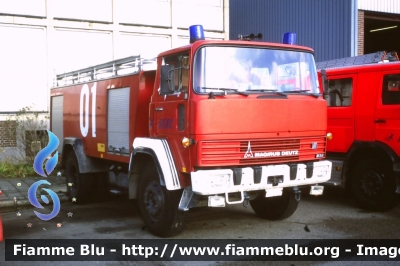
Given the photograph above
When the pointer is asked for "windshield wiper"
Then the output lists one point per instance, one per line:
(277, 92)
(224, 90)
(300, 91)
(296, 91)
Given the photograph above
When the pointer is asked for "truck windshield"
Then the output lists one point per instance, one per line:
(254, 69)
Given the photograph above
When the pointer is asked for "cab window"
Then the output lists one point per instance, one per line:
(391, 89)
(180, 69)
(340, 92)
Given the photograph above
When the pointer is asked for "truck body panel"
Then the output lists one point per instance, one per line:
(86, 116)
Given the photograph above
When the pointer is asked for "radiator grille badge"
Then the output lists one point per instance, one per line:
(248, 153)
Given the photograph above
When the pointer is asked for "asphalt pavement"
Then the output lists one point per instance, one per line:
(14, 191)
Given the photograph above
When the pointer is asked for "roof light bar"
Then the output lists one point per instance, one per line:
(289, 38)
(196, 33)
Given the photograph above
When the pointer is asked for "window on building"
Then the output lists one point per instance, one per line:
(340, 92)
(391, 89)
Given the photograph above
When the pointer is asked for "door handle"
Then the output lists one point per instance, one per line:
(380, 121)
(159, 108)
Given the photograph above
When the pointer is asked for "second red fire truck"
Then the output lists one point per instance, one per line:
(216, 122)
(363, 97)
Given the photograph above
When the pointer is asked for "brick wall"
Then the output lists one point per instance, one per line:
(360, 46)
(7, 134)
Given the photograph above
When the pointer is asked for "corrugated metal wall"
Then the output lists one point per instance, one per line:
(388, 6)
(329, 27)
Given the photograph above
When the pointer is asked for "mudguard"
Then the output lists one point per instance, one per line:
(159, 150)
(86, 164)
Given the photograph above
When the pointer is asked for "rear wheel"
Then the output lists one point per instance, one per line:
(79, 187)
(275, 208)
(159, 206)
(373, 185)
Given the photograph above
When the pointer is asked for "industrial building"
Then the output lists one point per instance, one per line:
(333, 28)
(41, 38)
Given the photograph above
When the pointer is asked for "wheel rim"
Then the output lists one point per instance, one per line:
(371, 183)
(154, 200)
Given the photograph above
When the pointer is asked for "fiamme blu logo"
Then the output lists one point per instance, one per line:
(44, 160)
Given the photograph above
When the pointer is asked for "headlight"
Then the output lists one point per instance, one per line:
(321, 171)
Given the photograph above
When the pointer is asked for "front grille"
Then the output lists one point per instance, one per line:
(263, 145)
(261, 151)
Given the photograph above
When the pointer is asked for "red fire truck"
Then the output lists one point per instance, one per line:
(363, 101)
(216, 122)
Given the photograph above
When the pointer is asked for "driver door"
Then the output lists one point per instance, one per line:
(171, 106)
(341, 111)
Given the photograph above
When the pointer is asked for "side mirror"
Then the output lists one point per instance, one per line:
(185, 62)
(325, 82)
(167, 79)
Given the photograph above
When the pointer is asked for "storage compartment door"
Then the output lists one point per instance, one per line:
(118, 121)
(57, 119)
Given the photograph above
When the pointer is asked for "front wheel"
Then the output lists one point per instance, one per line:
(373, 185)
(275, 208)
(159, 206)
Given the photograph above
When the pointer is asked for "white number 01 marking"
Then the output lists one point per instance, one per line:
(84, 110)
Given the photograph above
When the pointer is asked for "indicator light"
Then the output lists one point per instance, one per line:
(186, 142)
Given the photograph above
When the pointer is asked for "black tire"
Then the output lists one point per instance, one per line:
(79, 186)
(159, 206)
(373, 185)
(275, 208)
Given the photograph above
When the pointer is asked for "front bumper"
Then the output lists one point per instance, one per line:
(271, 177)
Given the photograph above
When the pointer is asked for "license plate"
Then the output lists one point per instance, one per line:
(273, 192)
(316, 190)
(216, 201)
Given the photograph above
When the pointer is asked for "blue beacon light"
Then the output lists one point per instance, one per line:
(289, 38)
(196, 33)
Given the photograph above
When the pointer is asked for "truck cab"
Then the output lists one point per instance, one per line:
(364, 117)
(240, 120)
